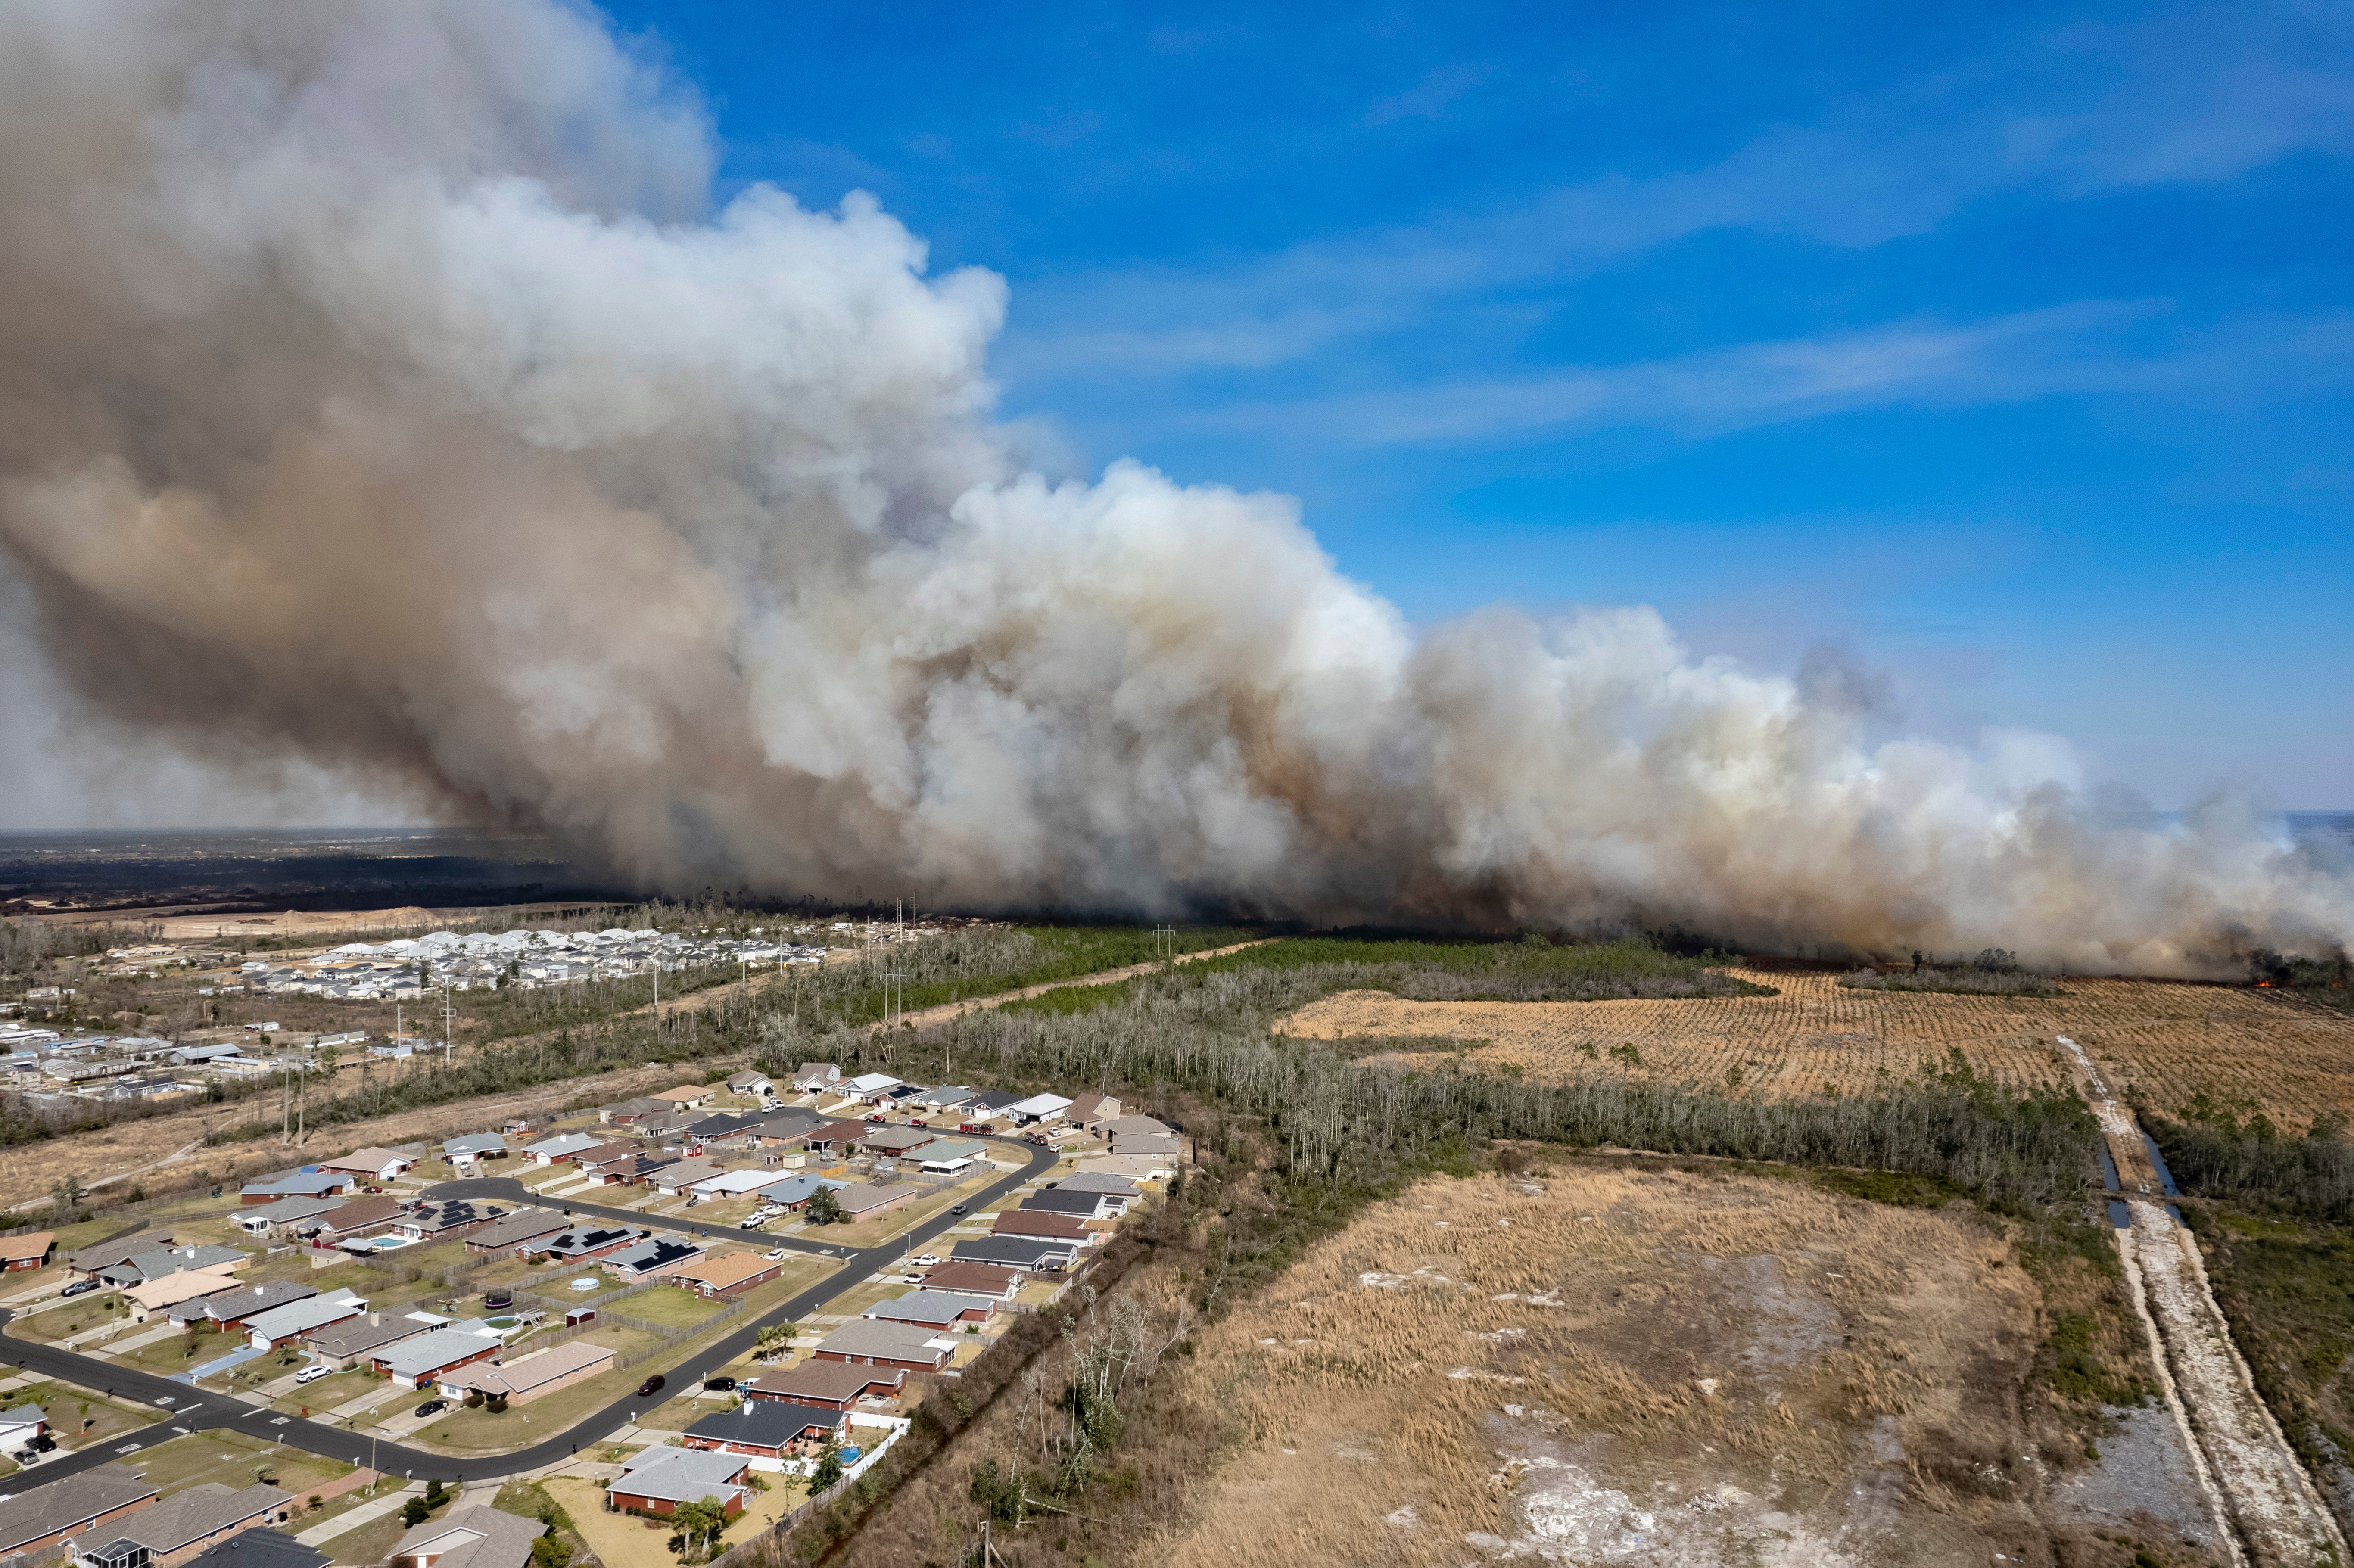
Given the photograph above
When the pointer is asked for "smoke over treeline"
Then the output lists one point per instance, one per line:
(379, 389)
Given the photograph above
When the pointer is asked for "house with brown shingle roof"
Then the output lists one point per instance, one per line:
(721, 1276)
(27, 1251)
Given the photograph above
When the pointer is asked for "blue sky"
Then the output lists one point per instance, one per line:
(2009, 351)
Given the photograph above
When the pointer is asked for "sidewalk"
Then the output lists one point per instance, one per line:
(318, 1535)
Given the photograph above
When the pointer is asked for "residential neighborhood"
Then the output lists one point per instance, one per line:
(472, 1293)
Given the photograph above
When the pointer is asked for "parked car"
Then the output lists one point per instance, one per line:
(774, 1253)
(719, 1384)
(878, 1115)
(431, 1407)
(926, 1260)
(652, 1385)
(79, 1287)
(750, 1223)
(918, 1121)
(314, 1373)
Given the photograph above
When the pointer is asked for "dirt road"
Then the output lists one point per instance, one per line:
(2270, 1513)
(932, 1017)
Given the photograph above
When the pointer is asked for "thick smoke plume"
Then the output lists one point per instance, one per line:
(377, 388)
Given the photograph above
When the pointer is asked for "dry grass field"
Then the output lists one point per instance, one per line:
(2251, 1049)
(1617, 1364)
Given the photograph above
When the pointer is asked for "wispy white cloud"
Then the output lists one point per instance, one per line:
(2079, 348)
(1430, 96)
(2192, 96)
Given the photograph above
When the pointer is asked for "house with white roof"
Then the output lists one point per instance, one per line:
(1038, 1108)
(283, 1325)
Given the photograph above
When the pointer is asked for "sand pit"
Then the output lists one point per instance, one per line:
(1621, 1365)
(2247, 1048)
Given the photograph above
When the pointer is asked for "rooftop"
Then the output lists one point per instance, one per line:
(766, 1422)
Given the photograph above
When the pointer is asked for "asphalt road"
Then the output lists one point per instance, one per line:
(194, 1409)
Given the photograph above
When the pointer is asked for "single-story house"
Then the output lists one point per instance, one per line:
(260, 1547)
(516, 1232)
(650, 1255)
(792, 1193)
(1094, 1182)
(751, 1081)
(949, 1156)
(628, 1113)
(229, 1309)
(581, 1244)
(992, 1103)
(282, 1216)
(786, 1129)
(869, 1199)
(687, 1095)
(153, 1298)
(477, 1537)
(371, 1163)
(1017, 1252)
(283, 1325)
(473, 1149)
(681, 1174)
(142, 1266)
(893, 1141)
(933, 1309)
(360, 1217)
(42, 1516)
(1045, 1225)
(309, 1183)
(561, 1148)
(868, 1342)
(1038, 1109)
(729, 1130)
(1135, 1126)
(355, 1339)
(21, 1425)
(1091, 1110)
(178, 1527)
(1163, 1147)
(429, 1358)
(26, 1250)
(526, 1378)
(722, 1276)
(1149, 1167)
(90, 1259)
(624, 1165)
(816, 1075)
(836, 1386)
(656, 1480)
(611, 1162)
(765, 1429)
(871, 1087)
(833, 1136)
(734, 1183)
(950, 1097)
(993, 1281)
(434, 1222)
(1083, 1206)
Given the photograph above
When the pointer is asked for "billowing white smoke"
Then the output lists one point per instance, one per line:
(376, 389)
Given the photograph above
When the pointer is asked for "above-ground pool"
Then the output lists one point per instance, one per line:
(587, 1283)
(500, 1322)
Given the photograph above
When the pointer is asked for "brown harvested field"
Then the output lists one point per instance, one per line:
(2167, 1039)
(1616, 1363)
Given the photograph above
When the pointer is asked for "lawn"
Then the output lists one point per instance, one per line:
(234, 1460)
(82, 1313)
(69, 1407)
(369, 1542)
(330, 1392)
(669, 1305)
